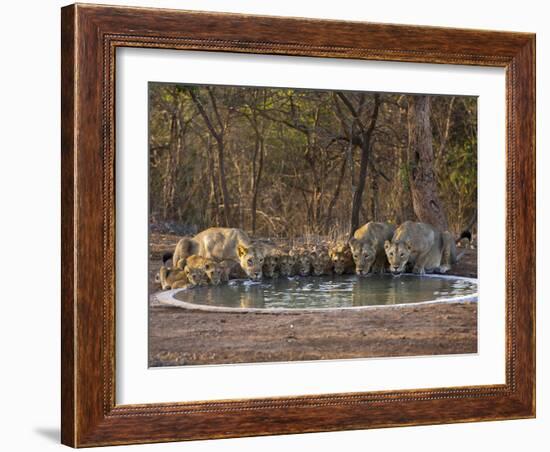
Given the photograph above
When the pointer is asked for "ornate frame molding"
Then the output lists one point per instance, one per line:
(90, 37)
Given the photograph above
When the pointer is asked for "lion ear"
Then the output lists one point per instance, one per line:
(408, 244)
(241, 250)
(387, 244)
(353, 241)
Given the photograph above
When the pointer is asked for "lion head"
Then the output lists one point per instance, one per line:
(302, 262)
(271, 266)
(196, 276)
(340, 255)
(251, 260)
(214, 271)
(398, 254)
(320, 261)
(364, 255)
(286, 264)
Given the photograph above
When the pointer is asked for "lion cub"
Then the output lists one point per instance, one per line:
(172, 278)
(198, 266)
(422, 247)
(367, 247)
(270, 268)
(178, 278)
(287, 264)
(342, 261)
(302, 261)
(320, 261)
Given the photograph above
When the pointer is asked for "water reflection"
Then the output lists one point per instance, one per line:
(329, 291)
(387, 290)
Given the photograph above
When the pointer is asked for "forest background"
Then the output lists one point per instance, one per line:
(284, 162)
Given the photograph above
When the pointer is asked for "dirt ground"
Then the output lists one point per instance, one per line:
(192, 337)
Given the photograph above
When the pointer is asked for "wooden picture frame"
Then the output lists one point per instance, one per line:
(90, 36)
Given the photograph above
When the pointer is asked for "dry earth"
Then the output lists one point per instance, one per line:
(179, 336)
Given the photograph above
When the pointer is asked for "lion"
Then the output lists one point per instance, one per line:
(367, 247)
(198, 270)
(184, 248)
(342, 260)
(321, 263)
(422, 247)
(302, 261)
(211, 268)
(231, 270)
(270, 268)
(287, 264)
(194, 274)
(172, 278)
(222, 244)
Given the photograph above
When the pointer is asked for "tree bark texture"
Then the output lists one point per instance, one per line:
(426, 203)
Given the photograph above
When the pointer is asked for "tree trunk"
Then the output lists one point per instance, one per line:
(169, 185)
(336, 194)
(365, 151)
(374, 198)
(257, 179)
(358, 195)
(223, 184)
(219, 137)
(426, 203)
(214, 198)
(403, 199)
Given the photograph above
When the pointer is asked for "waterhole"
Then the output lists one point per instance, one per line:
(326, 292)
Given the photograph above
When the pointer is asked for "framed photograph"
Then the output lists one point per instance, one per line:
(281, 225)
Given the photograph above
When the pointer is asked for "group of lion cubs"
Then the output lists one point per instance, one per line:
(218, 254)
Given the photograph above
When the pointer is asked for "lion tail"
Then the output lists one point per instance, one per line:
(459, 256)
(467, 232)
(464, 235)
(166, 257)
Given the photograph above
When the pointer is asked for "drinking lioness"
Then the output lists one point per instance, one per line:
(422, 247)
(223, 244)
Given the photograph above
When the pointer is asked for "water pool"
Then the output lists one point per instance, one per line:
(325, 292)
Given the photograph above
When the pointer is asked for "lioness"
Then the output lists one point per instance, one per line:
(223, 244)
(421, 246)
(367, 247)
(342, 261)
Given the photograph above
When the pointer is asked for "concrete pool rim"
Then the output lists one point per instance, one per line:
(167, 297)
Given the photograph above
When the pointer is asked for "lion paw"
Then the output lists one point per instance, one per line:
(419, 270)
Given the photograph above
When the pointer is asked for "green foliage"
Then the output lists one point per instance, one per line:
(457, 165)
